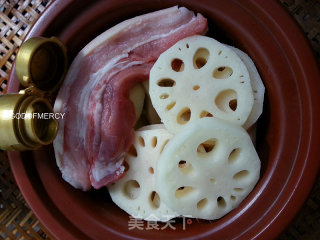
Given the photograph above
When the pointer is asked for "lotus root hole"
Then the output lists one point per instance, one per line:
(164, 96)
(196, 87)
(166, 82)
(233, 104)
(184, 191)
(238, 189)
(226, 100)
(205, 114)
(240, 175)
(154, 200)
(185, 167)
(234, 155)
(141, 141)
(221, 202)
(222, 72)
(184, 116)
(132, 151)
(207, 146)
(170, 106)
(154, 141)
(177, 65)
(202, 204)
(126, 166)
(200, 58)
(131, 189)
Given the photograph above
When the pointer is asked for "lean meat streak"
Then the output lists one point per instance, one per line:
(97, 128)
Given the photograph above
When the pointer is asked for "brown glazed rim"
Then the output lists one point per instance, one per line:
(289, 131)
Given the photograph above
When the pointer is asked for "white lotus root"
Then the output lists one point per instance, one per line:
(136, 96)
(150, 112)
(207, 169)
(152, 127)
(200, 77)
(136, 192)
(257, 87)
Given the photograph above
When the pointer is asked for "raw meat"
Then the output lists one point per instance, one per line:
(98, 127)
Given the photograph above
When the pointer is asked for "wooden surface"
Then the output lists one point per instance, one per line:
(17, 221)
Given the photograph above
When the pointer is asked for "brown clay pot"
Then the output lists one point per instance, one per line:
(288, 136)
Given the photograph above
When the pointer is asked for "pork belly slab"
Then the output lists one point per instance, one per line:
(97, 129)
